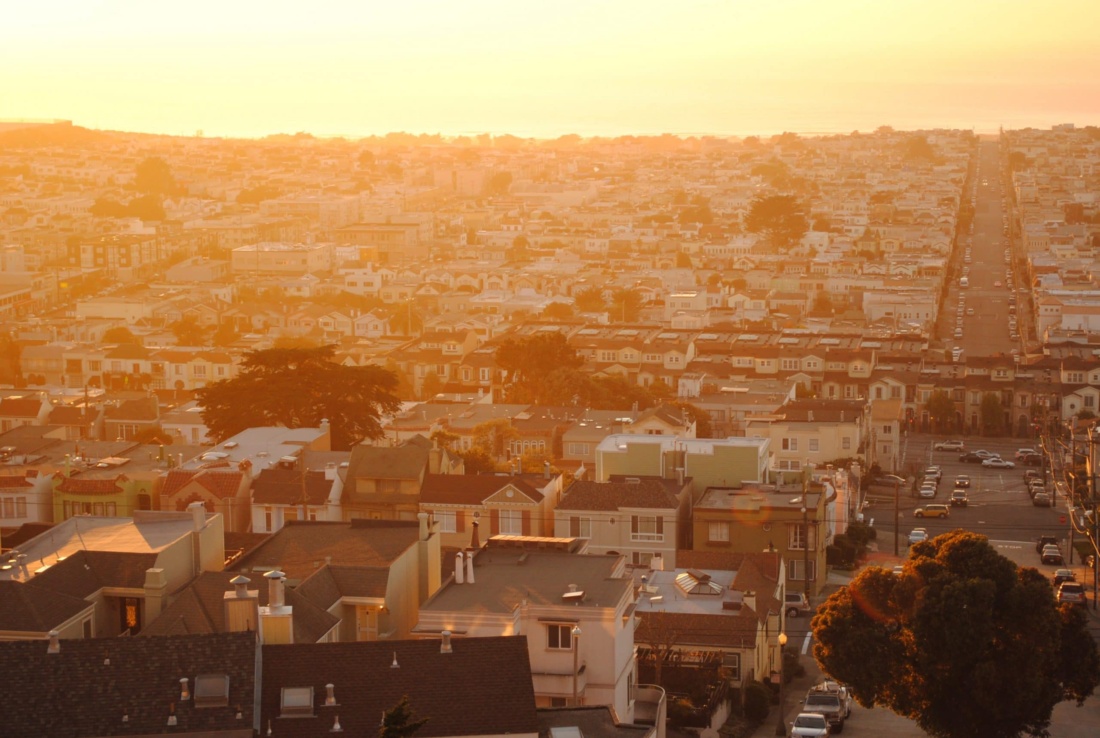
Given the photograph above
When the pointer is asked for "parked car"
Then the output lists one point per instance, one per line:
(1052, 555)
(1041, 499)
(1032, 474)
(827, 704)
(971, 457)
(932, 511)
(917, 535)
(962, 481)
(1032, 460)
(796, 604)
(1063, 575)
(996, 463)
(948, 446)
(959, 498)
(1045, 541)
(927, 490)
(835, 687)
(1072, 592)
(934, 472)
(1022, 452)
(810, 725)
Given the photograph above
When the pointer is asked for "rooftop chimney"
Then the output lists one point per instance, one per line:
(469, 567)
(445, 646)
(460, 569)
(546, 470)
(185, 693)
(474, 542)
(274, 588)
(330, 696)
(240, 585)
(422, 518)
(242, 606)
(198, 514)
(55, 644)
(330, 471)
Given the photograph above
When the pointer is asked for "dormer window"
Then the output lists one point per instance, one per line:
(211, 690)
(296, 702)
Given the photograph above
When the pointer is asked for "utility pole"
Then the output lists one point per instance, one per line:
(805, 532)
(897, 494)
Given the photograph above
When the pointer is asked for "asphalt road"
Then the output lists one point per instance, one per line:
(985, 306)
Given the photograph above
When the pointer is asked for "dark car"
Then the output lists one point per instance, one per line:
(1045, 541)
(1032, 459)
(1063, 575)
(958, 498)
(971, 457)
(1052, 555)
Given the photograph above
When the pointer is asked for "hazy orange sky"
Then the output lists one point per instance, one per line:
(244, 68)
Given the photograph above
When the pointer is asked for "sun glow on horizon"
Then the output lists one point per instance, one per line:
(600, 67)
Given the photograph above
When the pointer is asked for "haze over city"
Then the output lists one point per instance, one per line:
(603, 67)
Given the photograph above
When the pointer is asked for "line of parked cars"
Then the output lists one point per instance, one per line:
(825, 708)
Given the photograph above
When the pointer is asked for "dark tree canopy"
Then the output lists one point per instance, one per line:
(992, 414)
(400, 721)
(590, 300)
(941, 410)
(779, 218)
(298, 388)
(154, 177)
(626, 305)
(529, 361)
(963, 641)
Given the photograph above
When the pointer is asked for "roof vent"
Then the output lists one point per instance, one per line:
(330, 695)
(575, 596)
(55, 644)
(445, 646)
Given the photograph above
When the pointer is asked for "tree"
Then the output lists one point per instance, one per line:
(494, 436)
(119, 334)
(557, 311)
(400, 721)
(917, 148)
(147, 207)
(477, 461)
(703, 426)
(298, 388)
(626, 305)
(188, 332)
(154, 177)
(992, 414)
(779, 218)
(225, 334)
(528, 361)
(11, 370)
(590, 300)
(941, 410)
(660, 632)
(959, 620)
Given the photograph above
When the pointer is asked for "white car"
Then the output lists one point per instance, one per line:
(998, 464)
(917, 535)
(809, 725)
(1022, 452)
(948, 445)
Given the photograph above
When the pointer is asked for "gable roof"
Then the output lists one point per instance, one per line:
(610, 496)
(33, 609)
(87, 687)
(200, 608)
(471, 489)
(221, 481)
(276, 486)
(300, 543)
(483, 687)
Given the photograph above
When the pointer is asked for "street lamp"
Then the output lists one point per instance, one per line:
(781, 727)
(576, 632)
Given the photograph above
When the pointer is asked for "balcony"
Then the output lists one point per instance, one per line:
(650, 706)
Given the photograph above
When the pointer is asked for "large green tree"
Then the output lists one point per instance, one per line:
(590, 300)
(941, 410)
(963, 641)
(528, 361)
(153, 176)
(298, 388)
(779, 218)
(992, 414)
(400, 721)
(626, 305)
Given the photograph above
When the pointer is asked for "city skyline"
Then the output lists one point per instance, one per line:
(606, 68)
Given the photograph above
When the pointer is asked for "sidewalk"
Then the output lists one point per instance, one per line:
(795, 690)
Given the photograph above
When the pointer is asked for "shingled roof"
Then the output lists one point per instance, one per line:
(91, 685)
(277, 486)
(30, 609)
(222, 482)
(483, 687)
(85, 572)
(645, 493)
(299, 544)
(471, 489)
(200, 608)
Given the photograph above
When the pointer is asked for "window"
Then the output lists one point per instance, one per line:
(887, 430)
(511, 523)
(641, 558)
(296, 702)
(647, 528)
(559, 637)
(578, 449)
(813, 444)
(846, 443)
(7, 510)
(790, 444)
(732, 662)
(446, 520)
(86, 627)
(111, 510)
(789, 363)
(211, 690)
(580, 527)
(796, 537)
(268, 522)
(796, 567)
(718, 532)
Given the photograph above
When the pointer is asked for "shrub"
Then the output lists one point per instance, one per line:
(757, 701)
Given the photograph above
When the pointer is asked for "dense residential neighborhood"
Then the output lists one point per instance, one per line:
(648, 391)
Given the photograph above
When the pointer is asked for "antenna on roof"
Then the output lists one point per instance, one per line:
(395, 665)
